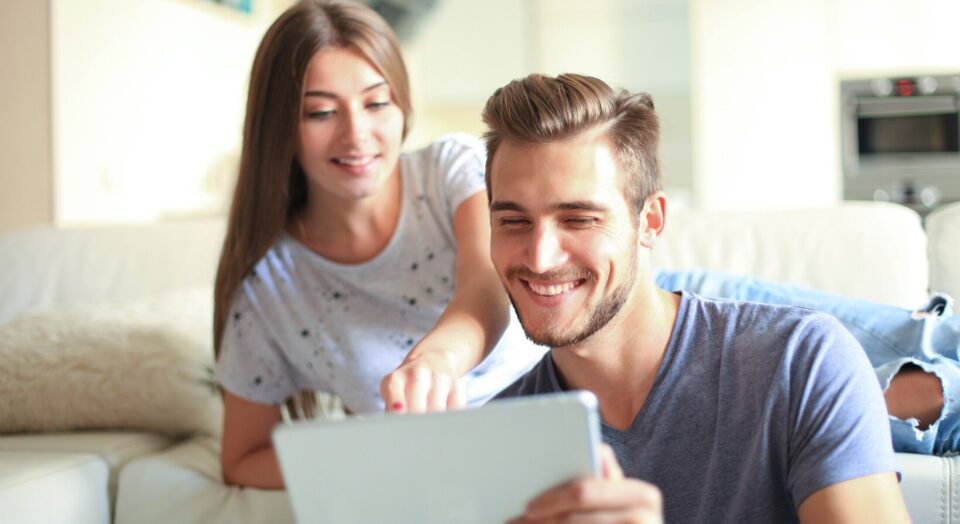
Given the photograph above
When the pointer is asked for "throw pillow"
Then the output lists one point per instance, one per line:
(145, 364)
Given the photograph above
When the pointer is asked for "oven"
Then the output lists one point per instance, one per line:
(901, 140)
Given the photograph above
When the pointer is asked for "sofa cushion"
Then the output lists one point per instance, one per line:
(53, 488)
(114, 448)
(145, 364)
(188, 475)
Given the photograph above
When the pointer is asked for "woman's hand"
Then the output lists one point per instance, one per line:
(610, 498)
(430, 378)
(426, 381)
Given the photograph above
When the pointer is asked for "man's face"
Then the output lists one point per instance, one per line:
(563, 241)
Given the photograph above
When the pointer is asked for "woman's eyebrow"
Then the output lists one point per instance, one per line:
(328, 94)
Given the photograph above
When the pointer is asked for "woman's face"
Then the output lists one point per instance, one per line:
(350, 128)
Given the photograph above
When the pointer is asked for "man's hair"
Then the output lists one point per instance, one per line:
(541, 109)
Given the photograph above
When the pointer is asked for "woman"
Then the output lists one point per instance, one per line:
(349, 267)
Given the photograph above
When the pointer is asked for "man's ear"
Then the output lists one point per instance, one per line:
(653, 218)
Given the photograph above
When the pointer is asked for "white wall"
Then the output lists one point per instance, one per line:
(148, 100)
(454, 63)
(142, 101)
(140, 108)
(657, 60)
(470, 48)
(892, 37)
(766, 81)
(25, 135)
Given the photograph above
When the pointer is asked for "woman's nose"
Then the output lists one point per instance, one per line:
(356, 128)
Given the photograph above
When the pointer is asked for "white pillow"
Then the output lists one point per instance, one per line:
(145, 364)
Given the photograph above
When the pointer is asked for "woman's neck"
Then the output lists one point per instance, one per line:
(350, 231)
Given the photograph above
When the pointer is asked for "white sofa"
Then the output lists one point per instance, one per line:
(147, 465)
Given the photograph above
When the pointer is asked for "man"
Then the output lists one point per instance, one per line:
(738, 412)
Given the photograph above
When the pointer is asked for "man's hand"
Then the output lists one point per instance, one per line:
(611, 498)
(426, 382)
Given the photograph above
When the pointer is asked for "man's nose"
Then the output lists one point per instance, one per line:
(546, 250)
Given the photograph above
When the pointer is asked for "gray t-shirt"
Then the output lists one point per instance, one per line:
(300, 321)
(754, 408)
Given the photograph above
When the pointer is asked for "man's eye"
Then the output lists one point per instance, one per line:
(513, 222)
(582, 221)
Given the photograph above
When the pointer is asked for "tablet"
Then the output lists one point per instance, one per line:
(479, 465)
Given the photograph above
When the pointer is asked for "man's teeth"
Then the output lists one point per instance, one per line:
(550, 291)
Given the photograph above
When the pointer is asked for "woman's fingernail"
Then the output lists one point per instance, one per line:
(397, 406)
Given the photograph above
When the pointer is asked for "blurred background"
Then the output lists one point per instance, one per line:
(121, 111)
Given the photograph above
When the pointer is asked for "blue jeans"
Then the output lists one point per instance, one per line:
(928, 338)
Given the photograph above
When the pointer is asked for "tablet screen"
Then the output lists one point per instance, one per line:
(478, 465)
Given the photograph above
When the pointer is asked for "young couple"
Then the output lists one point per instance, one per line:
(351, 268)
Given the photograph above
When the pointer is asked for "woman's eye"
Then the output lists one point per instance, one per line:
(379, 105)
(320, 115)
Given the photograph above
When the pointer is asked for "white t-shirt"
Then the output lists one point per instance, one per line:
(300, 321)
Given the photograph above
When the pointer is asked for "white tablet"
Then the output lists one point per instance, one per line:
(479, 465)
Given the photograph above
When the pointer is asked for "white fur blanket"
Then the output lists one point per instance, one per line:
(145, 364)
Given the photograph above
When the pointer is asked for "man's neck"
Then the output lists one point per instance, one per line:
(620, 362)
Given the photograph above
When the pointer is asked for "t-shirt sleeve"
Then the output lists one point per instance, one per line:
(461, 161)
(251, 363)
(838, 421)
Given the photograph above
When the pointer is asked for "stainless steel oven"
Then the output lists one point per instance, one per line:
(901, 140)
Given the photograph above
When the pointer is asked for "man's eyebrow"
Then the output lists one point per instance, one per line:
(327, 94)
(581, 205)
(506, 206)
(576, 205)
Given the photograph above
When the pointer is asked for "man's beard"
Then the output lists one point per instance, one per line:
(550, 335)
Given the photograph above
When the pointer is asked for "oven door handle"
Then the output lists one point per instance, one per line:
(928, 105)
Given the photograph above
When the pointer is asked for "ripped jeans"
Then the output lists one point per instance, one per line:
(928, 338)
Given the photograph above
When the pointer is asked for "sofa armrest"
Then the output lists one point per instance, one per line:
(931, 487)
(943, 230)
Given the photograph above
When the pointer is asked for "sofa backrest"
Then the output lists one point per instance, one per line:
(875, 251)
(45, 267)
(865, 250)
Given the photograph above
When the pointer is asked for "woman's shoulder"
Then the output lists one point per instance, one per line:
(458, 140)
(277, 263)
(449, 149)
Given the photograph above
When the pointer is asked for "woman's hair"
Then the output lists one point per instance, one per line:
(541, 109)
(271, 185)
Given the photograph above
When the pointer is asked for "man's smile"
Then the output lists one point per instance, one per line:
(552, 289)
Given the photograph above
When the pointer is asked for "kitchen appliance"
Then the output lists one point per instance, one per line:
(901, 139)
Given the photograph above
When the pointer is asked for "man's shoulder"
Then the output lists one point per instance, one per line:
(755, 332)
(746, 315)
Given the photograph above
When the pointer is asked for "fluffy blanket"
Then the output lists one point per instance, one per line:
(145, 364)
